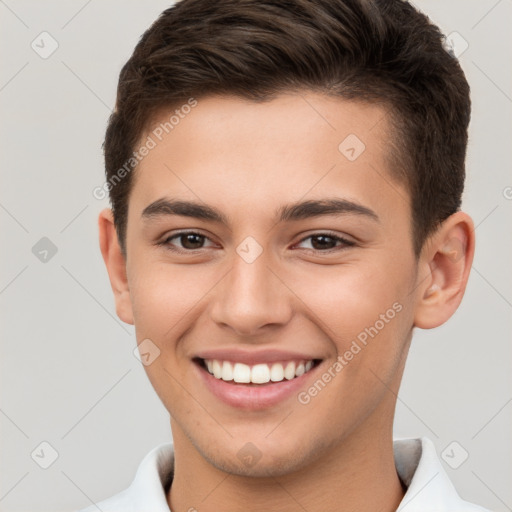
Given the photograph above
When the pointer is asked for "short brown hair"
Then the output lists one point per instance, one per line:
(382, 51)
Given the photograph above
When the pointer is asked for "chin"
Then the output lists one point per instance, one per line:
(275, 459)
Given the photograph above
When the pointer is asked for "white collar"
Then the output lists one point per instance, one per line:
(428, 487)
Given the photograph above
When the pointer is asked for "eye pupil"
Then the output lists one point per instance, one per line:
(191, 240)
(322, 245)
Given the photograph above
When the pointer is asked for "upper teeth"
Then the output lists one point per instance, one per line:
(258, 373)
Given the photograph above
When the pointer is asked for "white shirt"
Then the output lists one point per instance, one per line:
(428, 487)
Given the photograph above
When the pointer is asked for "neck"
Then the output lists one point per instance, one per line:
(358, 474)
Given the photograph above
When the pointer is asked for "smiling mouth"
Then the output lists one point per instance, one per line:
(262, 373)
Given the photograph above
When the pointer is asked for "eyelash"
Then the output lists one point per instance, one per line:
(345, 243)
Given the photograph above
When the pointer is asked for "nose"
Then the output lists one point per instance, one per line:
(252, 298)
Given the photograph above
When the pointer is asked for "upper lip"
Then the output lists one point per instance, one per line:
(255, 356)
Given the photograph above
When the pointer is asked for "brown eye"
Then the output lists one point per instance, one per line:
(191, 240)
(325, 242)
(320, 242)
(186, 241)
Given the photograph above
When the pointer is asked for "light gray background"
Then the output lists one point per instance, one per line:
(68, 373)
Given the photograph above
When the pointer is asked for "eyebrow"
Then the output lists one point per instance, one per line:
(290, 212)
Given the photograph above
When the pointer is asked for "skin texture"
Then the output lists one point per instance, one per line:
(248, 159)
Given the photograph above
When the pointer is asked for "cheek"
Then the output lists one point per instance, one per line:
(366, 316)
(364, 311)
(345, 300)
(166, 299)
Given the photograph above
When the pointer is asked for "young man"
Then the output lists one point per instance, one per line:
(285, 179)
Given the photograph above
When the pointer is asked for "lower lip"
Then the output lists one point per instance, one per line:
(253, 396)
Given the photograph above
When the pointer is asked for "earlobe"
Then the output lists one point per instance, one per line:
(116, 265)
(445, 262)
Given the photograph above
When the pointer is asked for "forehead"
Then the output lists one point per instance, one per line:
(238, 153)
(286, 119)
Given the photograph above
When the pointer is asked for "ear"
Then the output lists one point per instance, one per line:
(116, 265)
(443, 271)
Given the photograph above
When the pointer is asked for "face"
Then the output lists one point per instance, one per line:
(269, 245)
